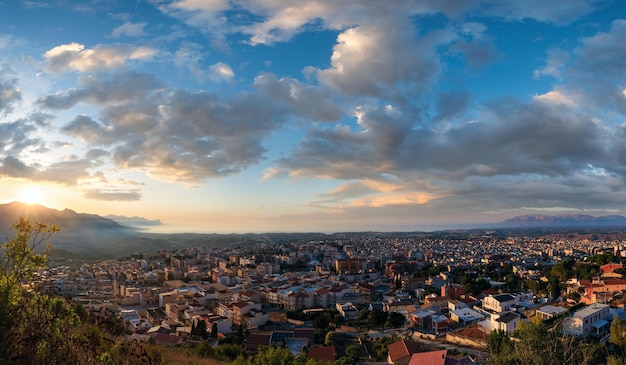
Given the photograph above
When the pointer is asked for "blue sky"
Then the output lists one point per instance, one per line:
(273, 115)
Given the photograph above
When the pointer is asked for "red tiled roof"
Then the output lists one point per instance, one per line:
(429, 358)
(614, 281)
(401, 349)
(610, 267)
(325, 353)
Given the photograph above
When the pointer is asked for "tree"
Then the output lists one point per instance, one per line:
(273, 356)
(353, 351)
(214, 330)
(618, 334)
(395, 319)
(554, 287)
(538, 346)
(331, 338)
(39, 329)
(377, 318)
(500, 348)
(200, 329)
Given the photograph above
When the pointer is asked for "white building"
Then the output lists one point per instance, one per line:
(505, 321)
(591, 320)
(506, 302)
(550, 311)
(465, 315)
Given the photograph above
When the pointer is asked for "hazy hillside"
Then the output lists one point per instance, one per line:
(134, 221)
(92, 237)
(581, 220)
(64, 219)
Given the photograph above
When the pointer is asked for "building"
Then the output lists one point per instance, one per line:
(505, 302)
(429, 358)
(351, 266)
(503, 321)
(550, 311)
(347, 311)
(592, 320)
(324, 353)
(465, 316)
(400, 352)
(452, 291)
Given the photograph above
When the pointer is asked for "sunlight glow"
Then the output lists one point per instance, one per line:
(31, 194)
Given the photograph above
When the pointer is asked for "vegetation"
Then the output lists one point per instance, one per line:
(535, 344)
(36, 328)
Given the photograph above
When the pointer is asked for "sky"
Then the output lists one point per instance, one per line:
(314, 115)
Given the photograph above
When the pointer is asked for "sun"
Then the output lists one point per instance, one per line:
(31, 194)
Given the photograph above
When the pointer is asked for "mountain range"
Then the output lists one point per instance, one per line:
(578, 220)
(93, 237)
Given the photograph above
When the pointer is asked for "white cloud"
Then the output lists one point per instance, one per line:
(5, 41)
(555, 97)
(220, 72)
(129, 29)
(555, 63)
(379, 61)
(75, 56)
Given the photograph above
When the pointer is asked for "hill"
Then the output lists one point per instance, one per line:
(566, 220)
(66, 220)
(92, 237)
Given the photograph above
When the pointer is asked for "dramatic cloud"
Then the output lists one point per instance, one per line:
(401, 108)
(88, 130)
(368, 61)
(307, 101)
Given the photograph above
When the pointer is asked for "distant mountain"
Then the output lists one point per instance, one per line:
(66, 220)
(81, 235)
(565, 220)
(134, 221)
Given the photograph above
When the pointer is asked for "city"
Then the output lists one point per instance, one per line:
(438, 293)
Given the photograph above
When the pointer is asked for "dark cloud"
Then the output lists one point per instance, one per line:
(205, 135)
(122, 87)
(87, 129)
(96, 153)
(9, 91)
(477, 53)
(306, 101)
(557, 12)
(112, 195)
(18, 136)
(598, 69)
(451, 104)
(13, 167)
(512, 138)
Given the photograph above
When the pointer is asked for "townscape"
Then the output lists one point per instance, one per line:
(363, 298)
